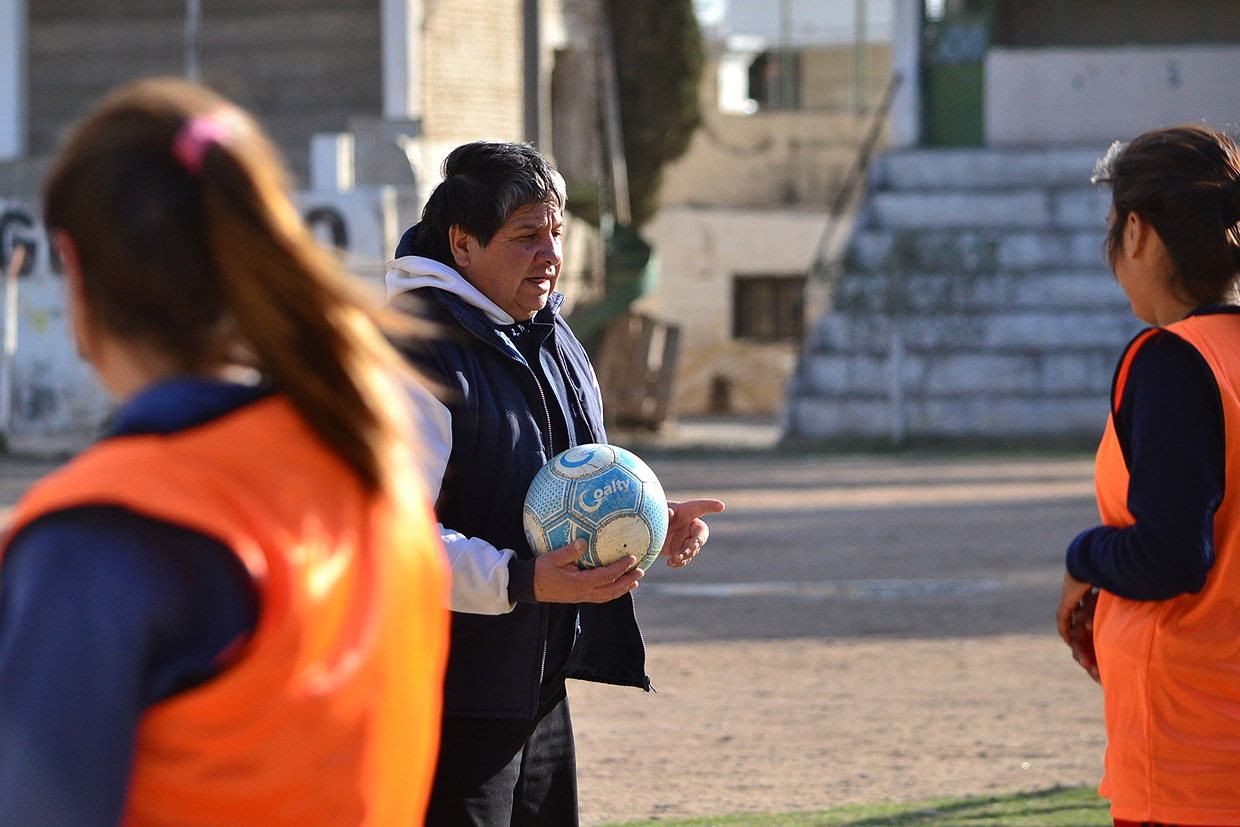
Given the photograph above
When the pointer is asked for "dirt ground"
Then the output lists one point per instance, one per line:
(856, 631)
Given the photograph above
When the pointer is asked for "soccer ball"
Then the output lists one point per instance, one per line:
(601, 493)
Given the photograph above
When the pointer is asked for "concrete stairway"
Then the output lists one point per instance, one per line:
(974, 301)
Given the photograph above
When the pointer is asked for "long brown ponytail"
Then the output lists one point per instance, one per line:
(177, 204)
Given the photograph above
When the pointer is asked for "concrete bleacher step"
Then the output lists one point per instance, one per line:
(966, 375)
(975, 301)
(981, 249)
(947, 333)
(985, 168)
(1031, 289)
(1020, 417)
(1065, 208)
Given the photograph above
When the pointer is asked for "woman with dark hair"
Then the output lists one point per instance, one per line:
(1151, 598)
(228, 611)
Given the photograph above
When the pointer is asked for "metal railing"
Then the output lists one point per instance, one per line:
(846, 193)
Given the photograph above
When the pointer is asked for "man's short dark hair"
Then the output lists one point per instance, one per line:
(484, 183)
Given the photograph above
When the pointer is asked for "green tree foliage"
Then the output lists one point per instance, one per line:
(659, 57)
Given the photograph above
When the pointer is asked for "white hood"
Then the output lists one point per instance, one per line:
(479, 569)
(410, 272)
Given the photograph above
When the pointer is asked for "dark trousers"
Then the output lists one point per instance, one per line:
(504, 773)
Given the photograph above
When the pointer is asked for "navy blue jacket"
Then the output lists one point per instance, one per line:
(104, 612)
(1170, 428)
(502, 434)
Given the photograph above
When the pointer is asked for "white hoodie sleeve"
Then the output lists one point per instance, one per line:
(479, 569)
(479, 574)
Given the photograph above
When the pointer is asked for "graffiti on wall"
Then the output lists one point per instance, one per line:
(19, 227)
(54, 393)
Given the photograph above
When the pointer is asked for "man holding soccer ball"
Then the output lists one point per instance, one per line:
(481, 266)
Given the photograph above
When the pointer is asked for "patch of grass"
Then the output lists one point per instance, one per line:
(1056, 807)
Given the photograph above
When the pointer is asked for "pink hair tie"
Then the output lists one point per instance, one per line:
(195, 137)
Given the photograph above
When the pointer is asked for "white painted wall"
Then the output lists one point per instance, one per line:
(809, 22)
(402, 59)
(905, 123)
(57, 403)
(700, 250)
(1073, 96)
(12, 78)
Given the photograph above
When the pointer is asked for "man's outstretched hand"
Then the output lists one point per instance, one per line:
(687, 532)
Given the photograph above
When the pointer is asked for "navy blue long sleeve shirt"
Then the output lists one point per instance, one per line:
(1170, 427)
(104, 612)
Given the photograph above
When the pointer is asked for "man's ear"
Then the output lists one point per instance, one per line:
(461, 244)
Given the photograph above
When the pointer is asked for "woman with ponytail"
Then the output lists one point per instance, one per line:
(228, 611)
(1150, 597)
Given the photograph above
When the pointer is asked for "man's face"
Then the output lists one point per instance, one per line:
(520, 267)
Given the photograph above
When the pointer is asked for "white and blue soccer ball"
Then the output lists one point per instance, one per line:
(602, 493)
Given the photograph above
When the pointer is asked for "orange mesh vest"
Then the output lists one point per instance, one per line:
(1170, 669)
(330, 713)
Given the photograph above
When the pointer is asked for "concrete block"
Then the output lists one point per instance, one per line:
(974, 374)
(1085, 208)
(809, 419)
(1063, 248)
(970, 292)
(955, 249)
(840, 375)
(1083, 371)
(867, 249)
(912, 250)
(1011, 330)
(1009, 416)
(944, 208)
(949, 374)
(985, 168)
(1079, 289)
(837, 332)
(1053, 331)
(991, 417)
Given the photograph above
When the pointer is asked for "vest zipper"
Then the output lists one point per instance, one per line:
(515, 354)
(550, 445)
(544, 611)
(570, 395)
